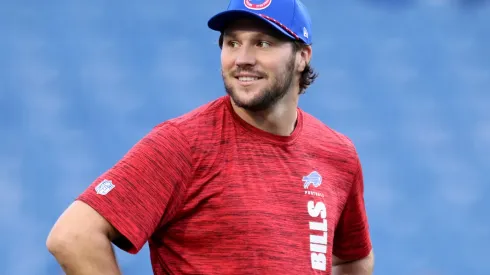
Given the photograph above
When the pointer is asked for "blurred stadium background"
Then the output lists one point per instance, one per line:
(407, 80)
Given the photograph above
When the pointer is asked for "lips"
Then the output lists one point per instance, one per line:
(247, 77)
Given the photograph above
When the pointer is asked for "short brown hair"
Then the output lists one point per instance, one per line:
(307, 77)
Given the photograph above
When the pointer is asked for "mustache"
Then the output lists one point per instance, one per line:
(247, 71)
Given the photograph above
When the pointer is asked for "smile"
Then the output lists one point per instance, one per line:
(246, 81)
(248, 78)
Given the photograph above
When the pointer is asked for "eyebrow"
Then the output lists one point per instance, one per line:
(233, 35)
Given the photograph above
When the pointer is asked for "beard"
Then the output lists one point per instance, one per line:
(268, 96)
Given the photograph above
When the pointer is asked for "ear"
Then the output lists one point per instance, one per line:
(304, 55)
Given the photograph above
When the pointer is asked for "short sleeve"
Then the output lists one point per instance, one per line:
(145, 187)
(351, 239)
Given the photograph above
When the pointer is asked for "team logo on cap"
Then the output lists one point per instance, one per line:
(257, 4)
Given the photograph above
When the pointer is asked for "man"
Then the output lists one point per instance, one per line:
(246, 184)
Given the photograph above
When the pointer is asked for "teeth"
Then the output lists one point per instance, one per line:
(247, 78)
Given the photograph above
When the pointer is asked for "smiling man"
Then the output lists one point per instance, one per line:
(246, 184)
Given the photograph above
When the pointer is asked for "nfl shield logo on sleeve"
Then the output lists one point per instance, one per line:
(104, 187)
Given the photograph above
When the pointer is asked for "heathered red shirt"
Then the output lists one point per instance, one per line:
(215, 195)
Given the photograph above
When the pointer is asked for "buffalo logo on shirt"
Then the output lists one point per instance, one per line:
(313, 178)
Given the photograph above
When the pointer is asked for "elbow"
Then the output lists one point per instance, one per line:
(65, 239)
(57, 242)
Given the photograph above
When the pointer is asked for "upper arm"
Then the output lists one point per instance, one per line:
(80, 218)
(352, 240)
(364, 266)
(148, 186)
(338, 261)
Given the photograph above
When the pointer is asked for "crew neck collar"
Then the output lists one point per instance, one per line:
(264, 135)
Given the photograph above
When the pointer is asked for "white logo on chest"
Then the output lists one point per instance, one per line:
(313, 179)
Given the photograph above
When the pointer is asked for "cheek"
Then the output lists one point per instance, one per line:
(277, 65)
(226, 61)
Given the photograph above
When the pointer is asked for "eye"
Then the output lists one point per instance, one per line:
(233, 44)
(264, 44)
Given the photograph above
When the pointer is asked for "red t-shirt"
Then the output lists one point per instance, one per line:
(214, 195)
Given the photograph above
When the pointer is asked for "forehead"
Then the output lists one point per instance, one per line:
(252, 26)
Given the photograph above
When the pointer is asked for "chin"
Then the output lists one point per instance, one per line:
(248, 94)
(244, 99)
(252, 97)
(245, 93)
(252, 100)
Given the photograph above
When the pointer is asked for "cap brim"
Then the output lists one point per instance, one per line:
(220, 21)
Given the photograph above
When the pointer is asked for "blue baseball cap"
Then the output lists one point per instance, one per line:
(288, 16)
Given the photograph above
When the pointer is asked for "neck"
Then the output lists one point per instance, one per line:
(279, 119)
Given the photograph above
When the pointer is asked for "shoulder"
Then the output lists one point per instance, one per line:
(194, 126)
(330, 145)
(334, 148)
(199, 117)
(320, 134)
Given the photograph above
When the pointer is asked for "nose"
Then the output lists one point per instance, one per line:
(245, 57)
